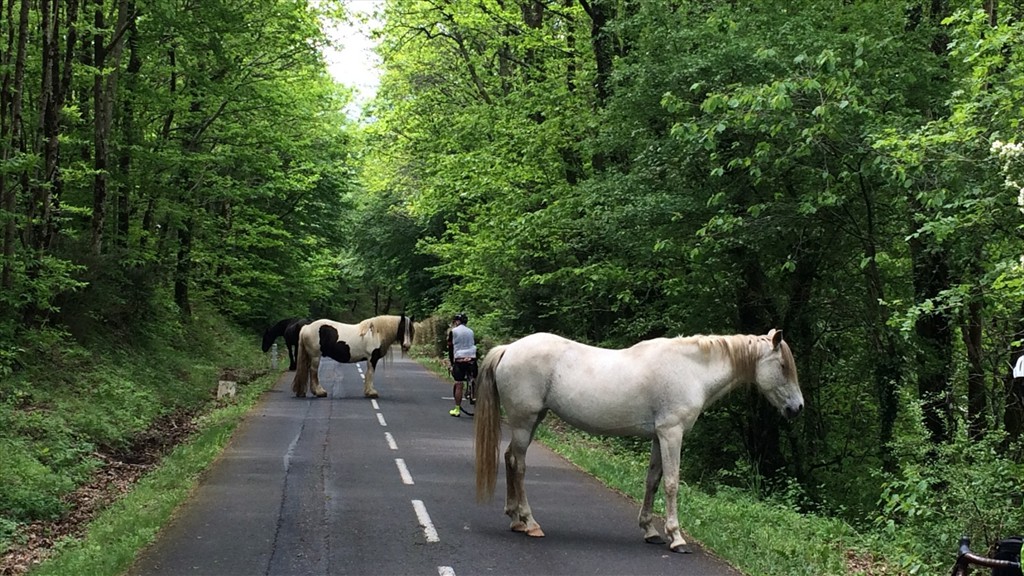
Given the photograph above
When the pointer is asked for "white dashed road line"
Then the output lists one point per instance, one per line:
(403, 472)
(429, 532)
(445, 571)
(428, 527)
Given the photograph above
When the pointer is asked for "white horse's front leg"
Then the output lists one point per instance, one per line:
(368, 390)
(671, 443)
(314, 369)
(654, 472)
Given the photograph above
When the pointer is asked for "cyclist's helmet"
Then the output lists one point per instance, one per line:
(461, 317)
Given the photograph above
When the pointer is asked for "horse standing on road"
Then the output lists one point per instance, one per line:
(369, 340)
(289, 328)
(655, 389)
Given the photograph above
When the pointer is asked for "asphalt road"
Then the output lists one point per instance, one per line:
(346, 485)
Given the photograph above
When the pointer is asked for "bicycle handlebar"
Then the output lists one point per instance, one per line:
(965, 556)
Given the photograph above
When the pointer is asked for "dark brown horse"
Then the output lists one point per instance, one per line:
(289, 328)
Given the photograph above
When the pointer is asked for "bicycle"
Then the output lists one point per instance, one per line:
(1000, 567)
(469, 390)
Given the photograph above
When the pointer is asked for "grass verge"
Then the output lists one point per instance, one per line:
(759, 538)
(117, 534)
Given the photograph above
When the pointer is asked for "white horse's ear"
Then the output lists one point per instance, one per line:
(775, 336)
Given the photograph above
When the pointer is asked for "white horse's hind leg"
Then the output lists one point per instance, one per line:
(314, 372)
(671, 443)
(516, 505)
(511, 491)
(654, 472)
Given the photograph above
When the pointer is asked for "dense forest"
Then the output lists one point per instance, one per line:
(851, 173)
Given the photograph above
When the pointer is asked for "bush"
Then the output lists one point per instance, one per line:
(31, 490)
(965, 488)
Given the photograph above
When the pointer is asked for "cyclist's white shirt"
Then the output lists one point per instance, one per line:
(463, 342)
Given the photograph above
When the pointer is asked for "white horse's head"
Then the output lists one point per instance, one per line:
(775, 374)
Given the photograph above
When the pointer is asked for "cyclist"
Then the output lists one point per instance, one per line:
(462, 357)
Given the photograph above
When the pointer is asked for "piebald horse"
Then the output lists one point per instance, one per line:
(655, 389)
(289, 328)
(369, 340)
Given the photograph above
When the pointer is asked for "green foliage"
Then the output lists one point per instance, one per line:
(74, 402)
(115, 537)
(840, 171)
(224, 180)
(31, 489)
(969, 487)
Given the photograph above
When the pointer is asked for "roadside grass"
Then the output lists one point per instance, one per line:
(757, 537)
(122, 530)
(90, 400)
(424, 355)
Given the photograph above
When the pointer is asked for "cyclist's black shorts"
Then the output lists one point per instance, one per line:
(461, 371)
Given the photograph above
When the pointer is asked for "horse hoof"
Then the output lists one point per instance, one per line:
(321, 394)
(372, 395)
(518, 527)
(535, 532)
(682, 549)
(654, 540)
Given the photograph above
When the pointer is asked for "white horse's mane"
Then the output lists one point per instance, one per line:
(741, 350)
(386, 328)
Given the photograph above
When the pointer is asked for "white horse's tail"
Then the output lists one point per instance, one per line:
(302, 365)
(487, 420)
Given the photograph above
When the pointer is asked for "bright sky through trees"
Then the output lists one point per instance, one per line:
(353, 62)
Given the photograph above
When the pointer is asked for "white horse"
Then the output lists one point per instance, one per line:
(369, 340)
(655, 389)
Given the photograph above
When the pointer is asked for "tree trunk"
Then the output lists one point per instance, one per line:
(761, 431)
(101, 127)
(883, 343)
(600, 12)
(187, 190)
(8, 196)
(128, 135)
(798, 330)
(183, 268)
(885, 371)
(17, 142)
(976, 397)
(71, 38)
(104, 92)
(935, 340)
(47, 193)
(1013, 414)
(13, 141)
